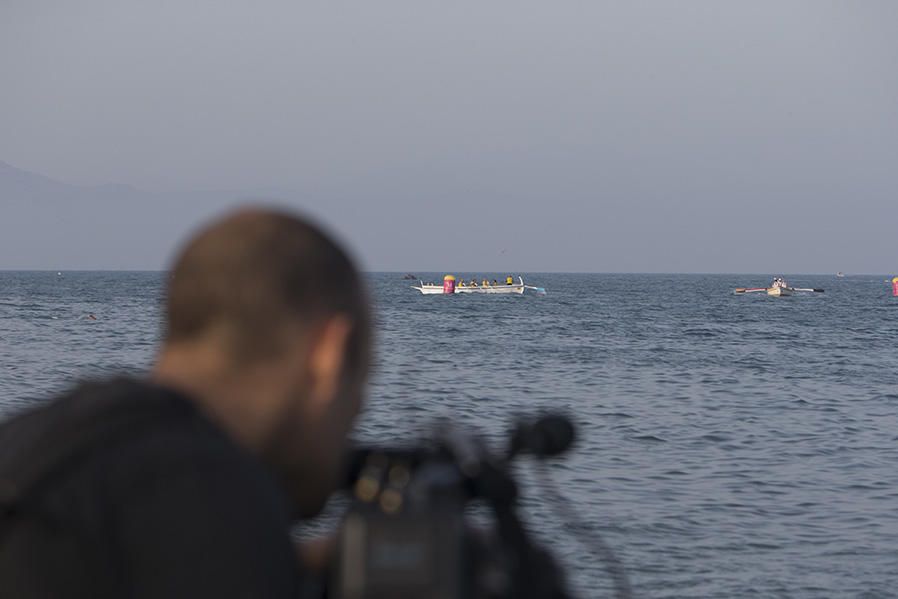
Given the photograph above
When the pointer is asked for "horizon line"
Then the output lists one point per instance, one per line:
(526, 272)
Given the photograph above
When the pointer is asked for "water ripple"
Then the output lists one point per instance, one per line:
(727, 445)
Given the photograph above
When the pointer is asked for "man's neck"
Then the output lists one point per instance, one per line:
(241, 405)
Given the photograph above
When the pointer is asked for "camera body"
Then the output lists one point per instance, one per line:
(403, 541)
(406, 534)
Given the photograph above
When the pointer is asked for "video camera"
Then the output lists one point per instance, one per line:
(408, 535)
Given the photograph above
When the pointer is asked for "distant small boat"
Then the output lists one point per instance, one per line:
(778, 288)
(840, 274)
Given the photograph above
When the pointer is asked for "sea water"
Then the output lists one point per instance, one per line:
(727, 445)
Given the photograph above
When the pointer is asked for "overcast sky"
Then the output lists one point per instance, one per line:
(491, 135)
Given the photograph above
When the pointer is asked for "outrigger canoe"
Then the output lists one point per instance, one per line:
(514, 288)
(778, 288)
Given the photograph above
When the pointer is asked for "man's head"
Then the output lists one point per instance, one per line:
(267, 326)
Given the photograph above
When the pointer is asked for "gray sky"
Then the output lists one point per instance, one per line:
(566, 136)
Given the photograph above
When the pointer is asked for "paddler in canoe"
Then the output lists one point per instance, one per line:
(778, 287)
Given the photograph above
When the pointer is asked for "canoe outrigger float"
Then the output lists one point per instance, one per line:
(449, 286)
(778, 288)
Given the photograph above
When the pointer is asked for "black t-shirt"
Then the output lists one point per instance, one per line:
(124, 489)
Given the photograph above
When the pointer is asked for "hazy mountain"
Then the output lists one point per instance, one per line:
(48, 224)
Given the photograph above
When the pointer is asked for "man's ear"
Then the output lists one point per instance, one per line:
(327, 358)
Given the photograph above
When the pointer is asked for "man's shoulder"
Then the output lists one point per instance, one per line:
(94, 416)
(143, 484)
(93, 411)
(120, 435)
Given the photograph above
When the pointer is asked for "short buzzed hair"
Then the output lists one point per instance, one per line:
(256, 270)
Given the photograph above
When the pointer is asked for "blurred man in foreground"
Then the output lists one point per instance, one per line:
(186, 484)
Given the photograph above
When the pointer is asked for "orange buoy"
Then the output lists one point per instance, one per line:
(448, 284)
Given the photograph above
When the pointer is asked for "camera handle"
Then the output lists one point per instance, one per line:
(534, 572)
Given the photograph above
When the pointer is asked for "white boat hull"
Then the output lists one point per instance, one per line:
(515, 289)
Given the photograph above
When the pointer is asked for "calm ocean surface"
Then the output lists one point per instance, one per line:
(728, 445)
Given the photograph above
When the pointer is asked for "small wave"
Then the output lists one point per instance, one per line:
(615, 415)
(701, 333)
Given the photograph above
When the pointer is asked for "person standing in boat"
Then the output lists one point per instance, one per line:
(485, 283)
(509, 280)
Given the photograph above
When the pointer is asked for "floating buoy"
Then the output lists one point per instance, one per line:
(448, 284)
